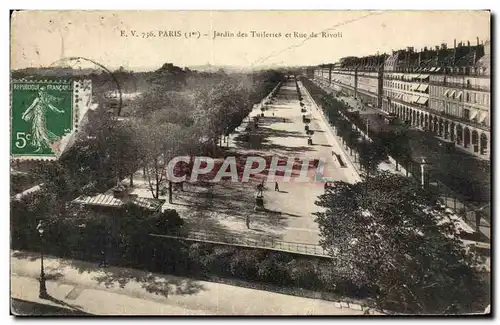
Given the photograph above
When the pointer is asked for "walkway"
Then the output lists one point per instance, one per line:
(222, 208)
(83, 287)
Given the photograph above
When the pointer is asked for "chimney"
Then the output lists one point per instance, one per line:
(425, 48)
(468, 44)
(454, 43)
(477, 39)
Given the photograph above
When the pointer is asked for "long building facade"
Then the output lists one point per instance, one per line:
(442, 90)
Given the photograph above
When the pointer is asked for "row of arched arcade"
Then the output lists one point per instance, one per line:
(474, 140)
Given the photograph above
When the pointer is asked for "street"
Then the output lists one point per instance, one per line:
(82, 287)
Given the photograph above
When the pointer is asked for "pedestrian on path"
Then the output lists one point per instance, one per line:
(247, 221)
(103, 263)
(276, 187)
(260, 188)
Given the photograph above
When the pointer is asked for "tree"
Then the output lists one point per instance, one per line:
(169, 76)
(387, 234)
(25, 214)
(168, 222)
(344, 128)
(398, 144)
(125, 150)
(161, 142)
(370, 155)
(152, 138)
(352, 139)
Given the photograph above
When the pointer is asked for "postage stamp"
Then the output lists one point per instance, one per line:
(42, 114)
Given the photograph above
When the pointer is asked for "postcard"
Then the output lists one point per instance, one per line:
(242, 163)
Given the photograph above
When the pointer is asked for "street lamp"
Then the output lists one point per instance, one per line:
(478, 216)
(43, 289)
(423, 179)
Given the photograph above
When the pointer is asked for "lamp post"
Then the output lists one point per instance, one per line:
(43, 289)
(424, 177)
(478, 217)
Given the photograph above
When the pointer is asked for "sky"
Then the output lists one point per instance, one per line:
(42, 38)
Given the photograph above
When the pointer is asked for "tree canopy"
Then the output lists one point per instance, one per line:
(386, 233)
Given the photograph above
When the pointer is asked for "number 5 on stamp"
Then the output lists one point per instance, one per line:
(41, 116)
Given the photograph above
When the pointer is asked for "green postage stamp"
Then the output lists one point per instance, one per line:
(42, 117)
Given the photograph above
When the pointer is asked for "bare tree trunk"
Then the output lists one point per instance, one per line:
(169, 191)
(157, 188)
(131, 179)
(150, 183)
(157, 178)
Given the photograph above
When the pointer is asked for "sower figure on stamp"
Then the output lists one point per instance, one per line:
(41, 137)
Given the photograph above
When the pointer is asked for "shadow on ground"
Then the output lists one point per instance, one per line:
(227, 204)
(119, 277)
(162, 285)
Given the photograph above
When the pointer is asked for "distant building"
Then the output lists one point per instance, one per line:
(442, 90)
(344, 77)
(460, 98)
(406, 85)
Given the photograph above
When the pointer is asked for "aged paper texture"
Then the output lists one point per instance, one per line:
(250, 162)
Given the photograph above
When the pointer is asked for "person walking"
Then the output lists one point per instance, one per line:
(247, 221)
(276, 187)
(260, 188)
(103, 262)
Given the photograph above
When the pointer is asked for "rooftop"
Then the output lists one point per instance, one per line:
(108, 200)
(464, 58)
